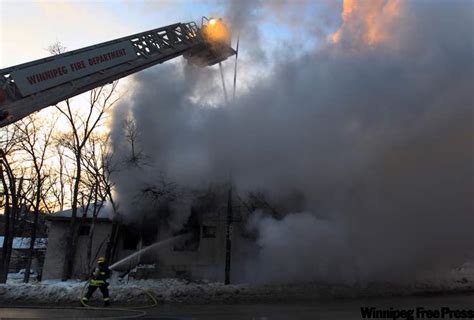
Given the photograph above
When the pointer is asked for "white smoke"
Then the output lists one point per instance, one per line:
(377, 139)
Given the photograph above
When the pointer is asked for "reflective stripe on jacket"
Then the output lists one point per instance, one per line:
(99, 276)
(96, 283)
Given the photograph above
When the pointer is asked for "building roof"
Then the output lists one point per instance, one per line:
(66, 214)
(24, 242)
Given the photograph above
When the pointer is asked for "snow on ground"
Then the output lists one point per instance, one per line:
(181, 291)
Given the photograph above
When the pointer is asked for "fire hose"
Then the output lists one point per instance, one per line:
(140, 312)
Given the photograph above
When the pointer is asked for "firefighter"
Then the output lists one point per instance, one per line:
(98, 280)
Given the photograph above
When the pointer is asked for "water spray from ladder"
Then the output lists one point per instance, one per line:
(235, 75)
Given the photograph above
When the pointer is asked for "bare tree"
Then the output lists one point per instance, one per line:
(48, 197)
(92, 162)
(258, 200)
(160, 192)
(109, 168)
(35, 142)
(10, 184)
(132, 135)
(16, 191)
(60, 179)
(81, 129)
(56, 48)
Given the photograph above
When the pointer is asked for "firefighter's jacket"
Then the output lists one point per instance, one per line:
(99, 276)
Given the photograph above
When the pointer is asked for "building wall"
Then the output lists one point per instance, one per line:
(54, 260)
(99, 243)
(206, 263)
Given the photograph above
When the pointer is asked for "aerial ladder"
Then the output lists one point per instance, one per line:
(32, 86)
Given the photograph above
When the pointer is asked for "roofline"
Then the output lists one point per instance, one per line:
(79, 218)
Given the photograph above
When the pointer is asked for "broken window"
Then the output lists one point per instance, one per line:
(130, 239)
(209, 231)
(84, 230)
(193, 229)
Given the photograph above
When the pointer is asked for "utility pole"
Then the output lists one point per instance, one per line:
(228, 244)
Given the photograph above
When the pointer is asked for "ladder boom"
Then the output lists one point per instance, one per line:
(32, 86)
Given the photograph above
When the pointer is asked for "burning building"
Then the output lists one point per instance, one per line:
(200, 254)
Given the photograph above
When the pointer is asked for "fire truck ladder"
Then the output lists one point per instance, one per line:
(143, 50)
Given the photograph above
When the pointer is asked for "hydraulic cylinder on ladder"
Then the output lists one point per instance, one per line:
(32, 86)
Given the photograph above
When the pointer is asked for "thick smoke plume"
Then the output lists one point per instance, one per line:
(372, 132)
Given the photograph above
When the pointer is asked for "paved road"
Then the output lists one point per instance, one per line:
(328, 310)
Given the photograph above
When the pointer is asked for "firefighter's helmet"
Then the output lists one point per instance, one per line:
(101, 260)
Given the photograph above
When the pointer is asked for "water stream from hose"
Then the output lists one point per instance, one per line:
(146, 249)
